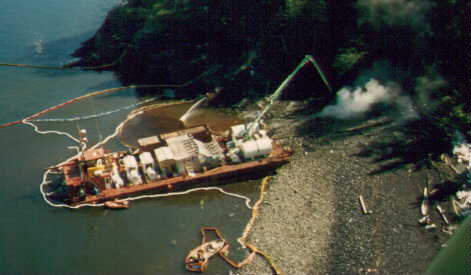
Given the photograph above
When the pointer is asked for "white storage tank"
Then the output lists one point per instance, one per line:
(165, 158)
(249, 149)
(149, 141)
(256, 147)
(129, 162)
(148, 165)
(265, 145)
(238, 131)
(146, 159)
(132, 172)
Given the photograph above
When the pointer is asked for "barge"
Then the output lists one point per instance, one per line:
(172, 161)
(166, 162)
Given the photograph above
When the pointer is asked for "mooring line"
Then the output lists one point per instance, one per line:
(36, 129)
(44, 194)
(247, 200)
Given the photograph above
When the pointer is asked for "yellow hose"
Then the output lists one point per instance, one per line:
(242, 240)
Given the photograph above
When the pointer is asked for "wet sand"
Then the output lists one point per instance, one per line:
(311, 221)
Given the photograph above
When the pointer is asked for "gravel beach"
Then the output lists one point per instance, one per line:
(311, 221)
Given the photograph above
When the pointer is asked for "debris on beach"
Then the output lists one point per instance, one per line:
(424, 208)
(431, 227)
(450, 229)
(442, 214)
(462, 152)
(425, 220)
(363, 206)
(462, 207)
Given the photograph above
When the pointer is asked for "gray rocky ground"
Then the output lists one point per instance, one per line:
(311, 221)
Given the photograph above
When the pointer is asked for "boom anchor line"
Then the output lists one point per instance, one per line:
(80, 98)
(106, 91)
(69, 66)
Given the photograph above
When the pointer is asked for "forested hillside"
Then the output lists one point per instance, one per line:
(248, 47)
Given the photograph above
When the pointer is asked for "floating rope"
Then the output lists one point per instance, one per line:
(36, 129)
(70, 66)
(34, 66)
(242, 240)
(80, 98)
(96, 115)
(248, 227)
(106, 65)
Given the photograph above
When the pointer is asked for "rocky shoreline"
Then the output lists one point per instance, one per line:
(311, 221)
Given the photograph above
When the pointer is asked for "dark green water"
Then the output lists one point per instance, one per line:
(153, 236)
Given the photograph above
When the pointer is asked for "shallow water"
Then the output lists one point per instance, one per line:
(153, 236)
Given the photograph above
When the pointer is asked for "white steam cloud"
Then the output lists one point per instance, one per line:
(380, 13)
(354, 103)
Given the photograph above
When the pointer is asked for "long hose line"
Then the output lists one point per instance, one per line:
(70, 66)
(80, 98)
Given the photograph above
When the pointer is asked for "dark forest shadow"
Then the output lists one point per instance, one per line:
(414, 143)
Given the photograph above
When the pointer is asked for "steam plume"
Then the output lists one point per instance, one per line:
(354, 103)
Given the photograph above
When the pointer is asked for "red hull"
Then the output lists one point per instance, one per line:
(165, 185)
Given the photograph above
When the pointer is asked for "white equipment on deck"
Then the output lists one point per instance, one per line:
(132, 172)
(148, 166)
(116, 178)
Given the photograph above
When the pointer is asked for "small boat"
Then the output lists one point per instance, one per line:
(117, 204)
(197, 259)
